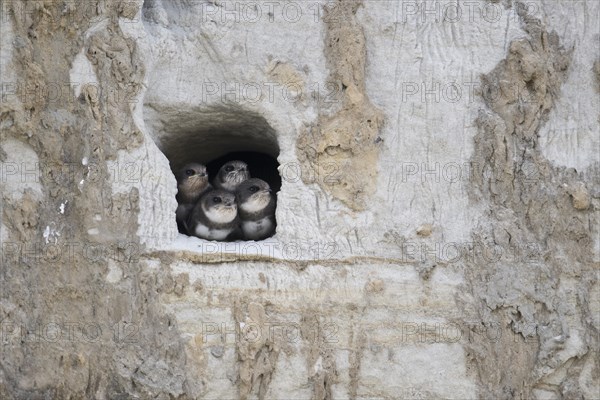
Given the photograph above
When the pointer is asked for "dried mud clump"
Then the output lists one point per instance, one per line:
(533, 301)
(321, 365)
(257, 353)
(343, 145)
(76, 212)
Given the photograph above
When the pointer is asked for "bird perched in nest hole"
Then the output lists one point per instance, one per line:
(256, 209)
(231, 174)
(192, 183)
(215, 216)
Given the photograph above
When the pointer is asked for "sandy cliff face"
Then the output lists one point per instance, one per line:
(437, 222)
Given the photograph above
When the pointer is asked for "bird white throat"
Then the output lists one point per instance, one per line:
(233, 179)
(220, 215)
(256, 203)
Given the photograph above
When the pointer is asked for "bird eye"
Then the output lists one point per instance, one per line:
(229, 168)
(253, 188)
(216, 199)
(189, 172)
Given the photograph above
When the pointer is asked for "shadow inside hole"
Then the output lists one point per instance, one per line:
(262, 166)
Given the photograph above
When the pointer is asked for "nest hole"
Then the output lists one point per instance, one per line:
(214, 137)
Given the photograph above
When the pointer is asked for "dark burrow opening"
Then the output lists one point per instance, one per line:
(215, 137)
